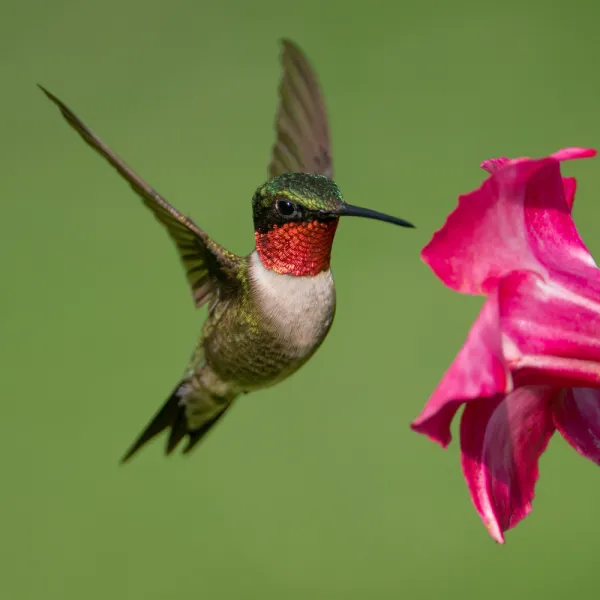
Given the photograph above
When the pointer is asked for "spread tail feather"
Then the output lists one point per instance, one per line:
(172, 415)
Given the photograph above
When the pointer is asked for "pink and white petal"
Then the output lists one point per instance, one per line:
(501, 442)
(577, 417)
(548, 201)
(478, 371)
(569, 183)
(549, 332)
(511, 222)
(552, 234)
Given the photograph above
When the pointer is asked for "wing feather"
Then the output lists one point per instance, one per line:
(303, 143)
(207, 264)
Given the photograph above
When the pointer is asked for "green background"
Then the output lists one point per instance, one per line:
(315, 488)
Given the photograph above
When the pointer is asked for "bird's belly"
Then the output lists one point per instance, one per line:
(297, 310)
(275, 331)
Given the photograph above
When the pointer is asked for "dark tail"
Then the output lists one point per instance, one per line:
(172, 417)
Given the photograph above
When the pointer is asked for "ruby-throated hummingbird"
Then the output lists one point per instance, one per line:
(268, 312)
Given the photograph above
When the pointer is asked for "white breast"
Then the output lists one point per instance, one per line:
(300, 308)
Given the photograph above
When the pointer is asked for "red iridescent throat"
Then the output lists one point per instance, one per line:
(297, 248)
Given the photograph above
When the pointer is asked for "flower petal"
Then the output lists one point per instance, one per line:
(550, 333)
(573, 153)
(501, 441)
(493, 164)
(519, 219)
(577, 417)
(570, 187)
(478, 371)
(569, 183)
(552, 235)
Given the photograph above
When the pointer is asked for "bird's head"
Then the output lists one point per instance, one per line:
(295, 219)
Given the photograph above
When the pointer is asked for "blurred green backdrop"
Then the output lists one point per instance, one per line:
(315, 488)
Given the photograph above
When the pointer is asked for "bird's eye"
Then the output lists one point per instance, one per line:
(285, 208)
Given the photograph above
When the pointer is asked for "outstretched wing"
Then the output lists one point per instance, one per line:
(208, 265)
(303, 144)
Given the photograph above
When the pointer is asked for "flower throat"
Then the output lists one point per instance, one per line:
(297, 248)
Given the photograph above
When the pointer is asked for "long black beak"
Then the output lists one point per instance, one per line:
(347, 210)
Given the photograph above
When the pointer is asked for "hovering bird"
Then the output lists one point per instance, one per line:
(268, 312)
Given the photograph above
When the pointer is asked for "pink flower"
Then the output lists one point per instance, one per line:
(532, 357)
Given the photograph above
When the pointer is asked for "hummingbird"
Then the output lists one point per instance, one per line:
(269, 311)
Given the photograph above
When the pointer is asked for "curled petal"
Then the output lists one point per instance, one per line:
(577, 417)
(501, 441)
(569, 183)
(551, 232)
(478, 371)
(550, 332)
(519, 219)
(573, 153)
